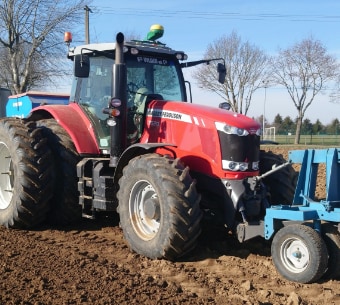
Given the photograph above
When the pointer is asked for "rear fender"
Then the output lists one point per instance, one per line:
(74, 121)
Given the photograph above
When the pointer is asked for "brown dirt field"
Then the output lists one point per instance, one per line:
(91, 264)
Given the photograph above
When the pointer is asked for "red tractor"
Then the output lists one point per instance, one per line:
(129, 141)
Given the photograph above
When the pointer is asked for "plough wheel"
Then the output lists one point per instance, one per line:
(299, 253)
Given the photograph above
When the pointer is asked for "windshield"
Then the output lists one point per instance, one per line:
(157, 75)
(145, 75)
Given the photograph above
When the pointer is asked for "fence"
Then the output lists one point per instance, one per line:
(327, 140)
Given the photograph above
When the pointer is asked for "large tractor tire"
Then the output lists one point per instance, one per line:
(299, 253)
(65, 208)
(282, 183)
(159, 207)
(26, 174)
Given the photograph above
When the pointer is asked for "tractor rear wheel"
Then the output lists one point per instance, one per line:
(26, 180)
(159, 207)
(65, 208)
(282, 183)
(299, 253)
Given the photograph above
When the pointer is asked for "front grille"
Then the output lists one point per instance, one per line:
(240, 149)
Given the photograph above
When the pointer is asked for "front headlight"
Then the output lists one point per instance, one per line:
(231, 129)
(228, 129)
(239, 166)
(256, 165)
(234, 166)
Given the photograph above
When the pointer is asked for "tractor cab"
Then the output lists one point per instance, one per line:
(153, 73)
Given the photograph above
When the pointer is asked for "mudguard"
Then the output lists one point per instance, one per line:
(74, 121)
(136, 150)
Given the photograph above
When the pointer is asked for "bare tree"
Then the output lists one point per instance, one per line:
(304, 70)
(334, 97)
(31, 40)
(246, 71)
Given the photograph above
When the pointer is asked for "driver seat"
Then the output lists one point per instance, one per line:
(142, 97)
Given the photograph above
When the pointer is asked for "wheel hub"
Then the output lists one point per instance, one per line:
(295, 255)
(151, 208)
(144, 210)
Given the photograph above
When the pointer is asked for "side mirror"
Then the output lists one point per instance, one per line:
(222, 71)
(225, 106)
(81, 65)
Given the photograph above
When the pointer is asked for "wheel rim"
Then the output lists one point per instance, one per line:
(294, 255)
(144, 210)
(6, 177)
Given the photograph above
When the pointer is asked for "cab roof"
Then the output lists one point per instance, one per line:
(144, 46)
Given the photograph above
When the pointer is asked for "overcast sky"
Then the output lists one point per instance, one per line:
(191, 25)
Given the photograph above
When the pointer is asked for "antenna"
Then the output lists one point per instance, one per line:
(87, 30)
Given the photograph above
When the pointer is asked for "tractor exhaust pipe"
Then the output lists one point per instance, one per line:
(119, 91)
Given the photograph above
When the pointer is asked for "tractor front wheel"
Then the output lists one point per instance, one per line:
(299, 253)
(158, 207)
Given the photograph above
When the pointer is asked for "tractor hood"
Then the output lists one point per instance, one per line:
(200, 114)
(219, 142)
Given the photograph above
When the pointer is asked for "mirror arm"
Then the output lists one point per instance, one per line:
(198, 62)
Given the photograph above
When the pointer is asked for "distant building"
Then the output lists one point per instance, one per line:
(20, 105)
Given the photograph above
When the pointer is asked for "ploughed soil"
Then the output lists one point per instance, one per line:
(90, 263)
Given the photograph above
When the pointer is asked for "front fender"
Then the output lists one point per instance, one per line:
(74, 121)
(133, 151)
